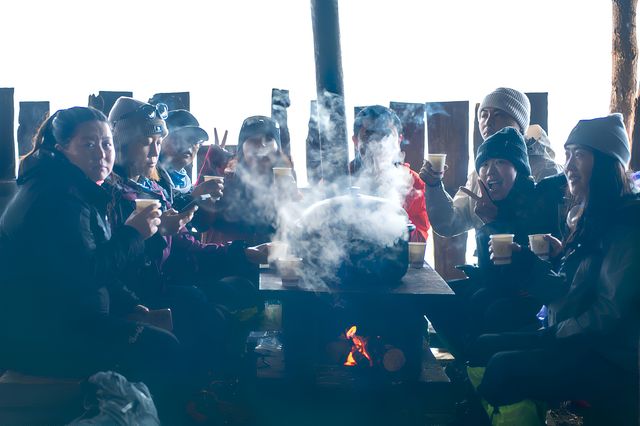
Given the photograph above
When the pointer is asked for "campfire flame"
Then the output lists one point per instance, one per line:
(359, 345)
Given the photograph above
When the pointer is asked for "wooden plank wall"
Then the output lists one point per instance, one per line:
(448, 130)
(174, 100)
(412, 117)
(7, 142)
(313, 156)
(31, 115)
(105, 99)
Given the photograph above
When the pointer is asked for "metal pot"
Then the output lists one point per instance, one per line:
(354, 240)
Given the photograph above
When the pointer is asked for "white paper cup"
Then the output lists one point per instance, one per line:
(501, 248)
(279, 172)
(143, 203)
(290, 270)
(539, 245)
(277, 249)
(437, 162)
(416, 253)
(207, 178)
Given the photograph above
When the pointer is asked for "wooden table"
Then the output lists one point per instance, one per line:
(307, 312)
(418, 283)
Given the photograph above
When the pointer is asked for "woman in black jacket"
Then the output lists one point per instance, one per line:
(62, 308)
(590, 350)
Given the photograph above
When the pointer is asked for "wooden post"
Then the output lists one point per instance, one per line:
(8, 157)
(413, 128)
(174, 100)
(634, 164)
(330, 91)
(105, 99)
(314, 162)
(448, 130)
(30, 117)
(624, 60)
(539, 109)
(279, 103)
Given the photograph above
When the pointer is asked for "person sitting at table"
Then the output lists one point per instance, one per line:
(378, 168)
(589, 351)
(65, 312)
(492, 299)
(248, 210)
(176, 270)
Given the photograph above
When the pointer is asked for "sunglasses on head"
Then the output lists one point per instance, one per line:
(149, 112)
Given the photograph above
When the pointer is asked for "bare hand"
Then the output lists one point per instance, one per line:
(213, 187)
(515, 248)
(172, 221)
(430, 176)
(485, 209)
(145, 221)
(555, 246)
(258, 254)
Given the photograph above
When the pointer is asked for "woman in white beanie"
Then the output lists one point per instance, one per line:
(590, 350)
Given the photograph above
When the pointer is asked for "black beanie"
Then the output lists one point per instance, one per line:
(508, 144)
(605, 134)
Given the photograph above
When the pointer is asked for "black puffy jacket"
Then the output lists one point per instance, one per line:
(59, 258)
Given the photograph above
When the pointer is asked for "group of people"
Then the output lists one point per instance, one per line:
(583, 344)
(85, 270)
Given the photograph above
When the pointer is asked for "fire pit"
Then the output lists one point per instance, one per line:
(353, 335)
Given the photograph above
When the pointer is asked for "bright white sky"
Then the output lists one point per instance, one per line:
(229, 54)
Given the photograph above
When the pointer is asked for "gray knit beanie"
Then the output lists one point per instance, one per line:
(511, 101)
(605, 134)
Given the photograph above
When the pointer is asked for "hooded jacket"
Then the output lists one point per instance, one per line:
(58, 255)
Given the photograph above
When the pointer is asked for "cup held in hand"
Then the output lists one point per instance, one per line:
(143, 203)
(437, 162)
(540, 245)
(501, 244)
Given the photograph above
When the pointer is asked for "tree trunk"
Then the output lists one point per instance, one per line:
(624, 60)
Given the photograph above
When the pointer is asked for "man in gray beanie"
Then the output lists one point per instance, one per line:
(504, 107)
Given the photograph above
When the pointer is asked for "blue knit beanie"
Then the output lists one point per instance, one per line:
(605, 134)
(508, 144)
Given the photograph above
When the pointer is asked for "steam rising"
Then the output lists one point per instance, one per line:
(327, 234)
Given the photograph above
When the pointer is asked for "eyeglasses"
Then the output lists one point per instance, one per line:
(149, 112)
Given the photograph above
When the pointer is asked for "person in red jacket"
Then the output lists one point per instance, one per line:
(378, 167)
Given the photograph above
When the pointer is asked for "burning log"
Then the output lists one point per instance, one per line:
(359, 351)
(393, 360)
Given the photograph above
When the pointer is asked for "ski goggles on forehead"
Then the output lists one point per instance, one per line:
(149, 112)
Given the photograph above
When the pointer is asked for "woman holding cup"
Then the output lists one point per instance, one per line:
(62, 301)
(590, 350)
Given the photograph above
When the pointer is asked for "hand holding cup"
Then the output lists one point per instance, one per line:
(145, 218)
(433, 169)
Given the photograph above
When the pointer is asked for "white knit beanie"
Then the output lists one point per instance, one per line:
(511, 101)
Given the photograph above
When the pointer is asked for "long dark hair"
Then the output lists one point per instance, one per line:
(61, 127)
(608, 186)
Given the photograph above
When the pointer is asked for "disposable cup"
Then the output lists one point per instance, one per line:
(416, 253)
(501, 244)
(282, 171)
(437, 162)
(539, 245)
(143, 203)
(290, 270)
